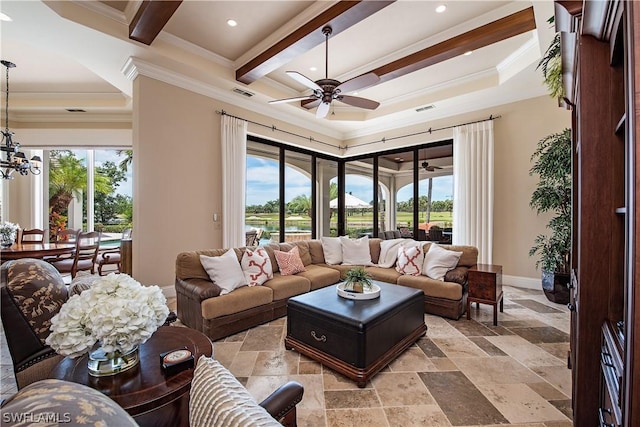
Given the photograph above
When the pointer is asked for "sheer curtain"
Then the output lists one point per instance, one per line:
(234, 154)
(473, 188)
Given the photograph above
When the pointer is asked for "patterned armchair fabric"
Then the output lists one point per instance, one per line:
(57, 402)
(32, 293)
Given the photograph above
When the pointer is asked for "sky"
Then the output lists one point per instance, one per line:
(262, 184)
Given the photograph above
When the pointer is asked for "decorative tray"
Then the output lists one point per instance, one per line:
(371, 293)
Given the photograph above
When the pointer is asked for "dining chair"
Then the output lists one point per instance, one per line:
(32, 235)
(113, 256)
(84, 257)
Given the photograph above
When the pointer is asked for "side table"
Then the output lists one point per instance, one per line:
(485, 286)
(144, 391)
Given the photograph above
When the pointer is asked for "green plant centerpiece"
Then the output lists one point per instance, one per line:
(552, 163)
(357, 280)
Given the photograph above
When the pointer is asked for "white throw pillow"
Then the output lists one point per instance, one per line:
(410, 260)
(256, 266)
(332, 248)
(437, 261)
(224, 271)
(355, 251)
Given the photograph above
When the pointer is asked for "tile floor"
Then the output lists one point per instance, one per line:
(462, 373)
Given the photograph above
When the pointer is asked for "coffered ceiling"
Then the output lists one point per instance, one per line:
(78, 55)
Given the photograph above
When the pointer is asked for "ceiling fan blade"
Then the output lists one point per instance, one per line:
(323, 110)
(356, 101)
(359, 82)
(304, 80)
(312, 104)
(297, 98)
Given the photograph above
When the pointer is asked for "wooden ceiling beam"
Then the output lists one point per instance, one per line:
(340, 16)
(150, 19)
(493, 32)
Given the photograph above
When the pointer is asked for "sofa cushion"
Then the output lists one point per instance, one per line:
(271, 248)
(431, 287)
(457, 275)
(332, 248)
(469, 256)
(256, 266)
(239, 300)
(316, 252)
(342, 268)
(289, 262)
(387, 275)
(218, 399)
(374, 249)
(410, 260)
(355, 251)
(188, 265)
(320, 276)
(224, 271)
(287, 286)
(438, 261)
(63, 403)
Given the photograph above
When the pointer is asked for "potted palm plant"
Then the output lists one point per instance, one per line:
(552, 163)
(357, 280)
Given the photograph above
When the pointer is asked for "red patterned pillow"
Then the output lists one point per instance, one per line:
(410, 260)
(256, 266)
(289, 262)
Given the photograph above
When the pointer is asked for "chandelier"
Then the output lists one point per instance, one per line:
(15, 160)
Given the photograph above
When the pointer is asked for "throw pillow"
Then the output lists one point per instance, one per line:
(410, 260)
(289, 262)
(224, 271)
(332, 249)
(438, 261)
(218, 399)
(355, 251)
(457, 275)
(256, 266)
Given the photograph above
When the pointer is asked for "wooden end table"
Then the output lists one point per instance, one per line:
(485, 286)
(144, 391)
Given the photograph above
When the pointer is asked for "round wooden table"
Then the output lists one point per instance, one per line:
(35, 250)
(145, 392)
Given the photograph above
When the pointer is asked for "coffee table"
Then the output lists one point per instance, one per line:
(145, 392)
(355, 338)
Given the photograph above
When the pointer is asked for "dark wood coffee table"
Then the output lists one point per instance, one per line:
(355, 338)
(149, 396)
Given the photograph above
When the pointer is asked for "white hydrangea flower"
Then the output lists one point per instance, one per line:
(117, 311)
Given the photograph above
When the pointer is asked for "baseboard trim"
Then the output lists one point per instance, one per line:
(522, 282)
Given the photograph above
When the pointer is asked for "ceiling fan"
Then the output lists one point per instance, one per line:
(326, 90)
(428, 168)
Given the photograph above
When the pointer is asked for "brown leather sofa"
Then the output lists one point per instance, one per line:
(200, 305)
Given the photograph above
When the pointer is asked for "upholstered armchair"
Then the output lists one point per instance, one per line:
(32, 292)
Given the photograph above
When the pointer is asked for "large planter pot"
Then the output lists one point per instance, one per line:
(556, 286)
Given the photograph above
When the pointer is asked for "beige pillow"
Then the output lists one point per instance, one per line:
(355, 251)
(438, 261)
(218, 399)
(224, 271)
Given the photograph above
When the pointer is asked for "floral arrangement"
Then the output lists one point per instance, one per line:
(8, 232)
(116, 310)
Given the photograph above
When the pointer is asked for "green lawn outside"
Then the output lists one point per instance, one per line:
(354, 219)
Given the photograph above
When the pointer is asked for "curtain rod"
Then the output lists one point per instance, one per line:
(345, 148)
(430, 130)
(274, 128)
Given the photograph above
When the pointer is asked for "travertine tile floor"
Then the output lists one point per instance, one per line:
(462, 373)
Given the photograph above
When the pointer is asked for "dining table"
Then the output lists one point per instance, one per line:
(35, 250)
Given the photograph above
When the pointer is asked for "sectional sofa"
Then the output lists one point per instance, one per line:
(203, 305)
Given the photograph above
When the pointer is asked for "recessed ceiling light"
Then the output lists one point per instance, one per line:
(441, 8)
(232, 22)
(467, 53)
(313, 68)
(4, 17)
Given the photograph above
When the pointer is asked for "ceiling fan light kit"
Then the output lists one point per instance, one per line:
(326, 90)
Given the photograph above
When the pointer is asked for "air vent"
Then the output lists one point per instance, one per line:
(243, 92)
(425, 108)
(76, 110)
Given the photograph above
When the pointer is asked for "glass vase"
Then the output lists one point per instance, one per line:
(102, 364)
(7, 239)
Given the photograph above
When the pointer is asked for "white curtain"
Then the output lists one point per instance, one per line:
(473, 188)
(234, 154)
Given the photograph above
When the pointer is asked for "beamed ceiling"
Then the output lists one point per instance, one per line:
(417, 53)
